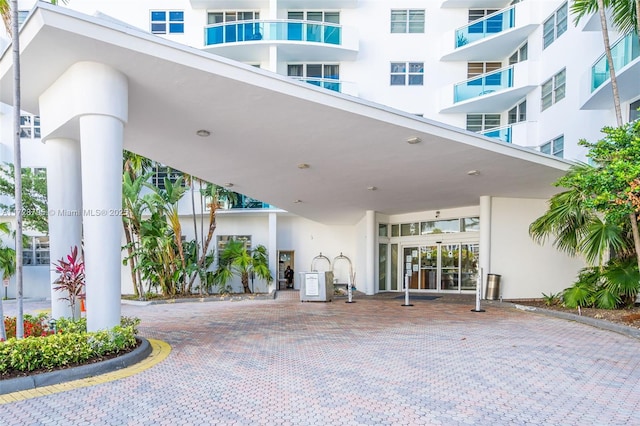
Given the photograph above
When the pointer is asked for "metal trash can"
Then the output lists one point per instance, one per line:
(493, 287)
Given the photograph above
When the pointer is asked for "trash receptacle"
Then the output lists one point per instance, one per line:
(493, 287)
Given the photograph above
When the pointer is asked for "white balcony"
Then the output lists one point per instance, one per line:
(494, 37)
(249, 41)
(474, 4)
(263, 4)
(596, 90)
(492, 92)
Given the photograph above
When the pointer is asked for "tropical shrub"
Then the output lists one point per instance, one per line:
(36, 326)
(71, 279)
(59, 350)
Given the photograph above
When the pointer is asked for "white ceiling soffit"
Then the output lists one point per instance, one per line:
(263, 126)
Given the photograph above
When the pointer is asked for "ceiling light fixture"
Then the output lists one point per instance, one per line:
(297, 201)
(414, 140)
(303, 166)
(473, 172)
(203, 133)
(228, 184)
(372, 188)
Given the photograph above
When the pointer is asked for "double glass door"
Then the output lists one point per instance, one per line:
(441, 267)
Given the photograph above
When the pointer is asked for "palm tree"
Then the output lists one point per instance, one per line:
(625, 16)
(235, 258)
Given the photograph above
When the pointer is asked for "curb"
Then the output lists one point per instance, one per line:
(60, 376)
(234, 298)
(594, 322)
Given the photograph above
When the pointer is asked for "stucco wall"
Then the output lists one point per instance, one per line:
(527, 269)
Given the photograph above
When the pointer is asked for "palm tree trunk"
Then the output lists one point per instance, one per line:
(17, 163)
(207, 241)
(612, 70)
(132, 263)
(636, 236)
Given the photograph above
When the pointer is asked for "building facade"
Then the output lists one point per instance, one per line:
(520, 72)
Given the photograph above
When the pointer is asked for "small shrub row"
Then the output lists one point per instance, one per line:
(34, 325)
(63, 349)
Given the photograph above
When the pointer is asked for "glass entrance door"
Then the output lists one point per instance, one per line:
(440, 267)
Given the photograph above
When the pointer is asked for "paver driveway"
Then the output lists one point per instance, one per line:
(373, 362)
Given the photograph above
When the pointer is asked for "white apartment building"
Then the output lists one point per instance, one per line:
(520, 73)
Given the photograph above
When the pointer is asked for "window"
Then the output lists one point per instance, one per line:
(633, 111)
(475, 14)
(554, 26)
(220, 17)
(482, 122)
(317, 74)
(317, 16)
(518, 113)
(36, 251)
(553, 90)
(383, 230)
(30, 126)
(554, 147)
(161, 172)
(407, 21)
(475, 69)
(407, 73)
(519, 55)
(493, 24)
(223, 240)
(167, 22)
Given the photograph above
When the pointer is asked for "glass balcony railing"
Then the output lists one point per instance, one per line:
(501, 133)
(327, 83)
(483, 84)
(244, 202)
(623, 51)
(486, 27)
(273, 30)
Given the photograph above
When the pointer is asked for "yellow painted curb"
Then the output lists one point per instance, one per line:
(160, 351)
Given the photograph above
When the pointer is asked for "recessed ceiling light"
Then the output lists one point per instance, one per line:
(228, 184)
(303, 166)
(473, 172)
(372, 188)
(414, 140)
(297, 201)
(203, 133)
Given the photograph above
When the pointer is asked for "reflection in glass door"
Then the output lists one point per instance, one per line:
(428, 267)
(469, 266)
(411, 266)
(449, 266)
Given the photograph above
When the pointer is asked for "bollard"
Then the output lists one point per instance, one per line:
(478, 292)
(406, 291)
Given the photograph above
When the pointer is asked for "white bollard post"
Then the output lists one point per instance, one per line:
(406, 290)
(349, 291)
(478, 292)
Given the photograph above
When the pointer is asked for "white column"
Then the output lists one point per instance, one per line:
(65, 209)
(370, 252)
(485, 237)
(273, 249)
(94, 97)
(101, 142)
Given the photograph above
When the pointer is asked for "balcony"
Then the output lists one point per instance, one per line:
(501, 133)
(302, 40)
(341, 86)
(625, 52)
(495, 37)
(491, 92)
(263, 4)
(473, 4)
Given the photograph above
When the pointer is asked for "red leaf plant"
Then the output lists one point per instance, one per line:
(71, 279)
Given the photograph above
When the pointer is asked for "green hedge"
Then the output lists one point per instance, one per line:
(59, 350)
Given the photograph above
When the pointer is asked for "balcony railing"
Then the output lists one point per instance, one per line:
(327, 83)
(483, 84)
(501, 133)
(486, 27)
(623, 51)
(273, 30)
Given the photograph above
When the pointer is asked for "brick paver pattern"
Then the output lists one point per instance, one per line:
(374, 362)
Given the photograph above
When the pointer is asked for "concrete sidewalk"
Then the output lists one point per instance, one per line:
(372, 362)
